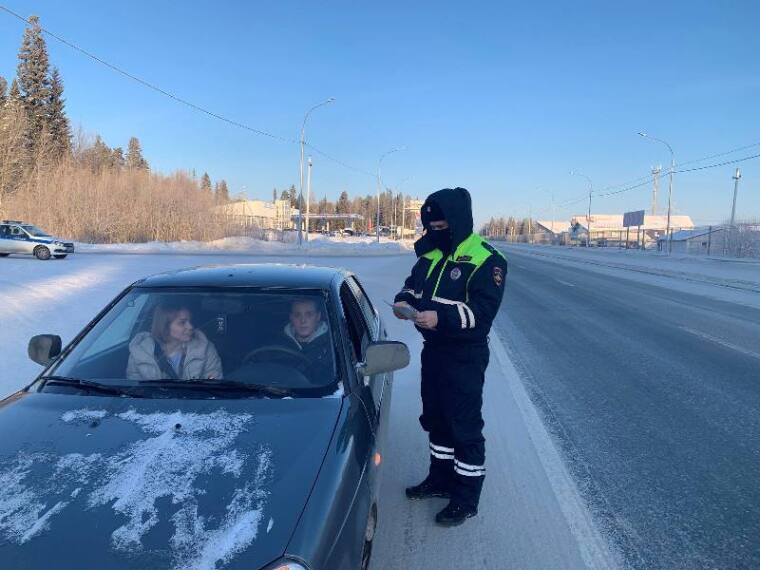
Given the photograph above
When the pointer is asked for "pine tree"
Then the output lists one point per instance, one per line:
(58, 123)
(135, 160)
(222, 192)
(3, 89)
(117, 158)
(206, 183)
(33, 80)
(14, 150)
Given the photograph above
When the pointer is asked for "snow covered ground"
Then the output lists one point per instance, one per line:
(317, 245)
(531, 514)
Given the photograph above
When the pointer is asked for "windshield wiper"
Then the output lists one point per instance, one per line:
(88, 385)
(217, 385)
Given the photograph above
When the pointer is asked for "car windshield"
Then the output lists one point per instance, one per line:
(207, 343)
(35, 231)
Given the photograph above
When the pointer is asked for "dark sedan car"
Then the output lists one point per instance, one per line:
(215, 417)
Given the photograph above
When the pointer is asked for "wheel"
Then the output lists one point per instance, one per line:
(42, 253)
(369, 537)
(4, 254)
(60, 256)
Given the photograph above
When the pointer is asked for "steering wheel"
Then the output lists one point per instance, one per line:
(279, 352)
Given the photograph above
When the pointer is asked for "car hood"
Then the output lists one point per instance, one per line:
(94, 482)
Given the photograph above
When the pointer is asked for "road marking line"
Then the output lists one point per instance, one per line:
(722, 343)
(564, 282)
(594, 549)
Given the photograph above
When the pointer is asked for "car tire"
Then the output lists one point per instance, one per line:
(369, 538)
(42, 253)
(61, 256)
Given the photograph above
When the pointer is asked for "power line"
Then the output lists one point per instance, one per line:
(180, 100)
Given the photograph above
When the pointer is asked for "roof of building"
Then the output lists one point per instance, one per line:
(554, 226)
(258, 275)
(684, 235)
(615, 222)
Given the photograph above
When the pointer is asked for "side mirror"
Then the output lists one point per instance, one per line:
(44, 347)
(383, 356)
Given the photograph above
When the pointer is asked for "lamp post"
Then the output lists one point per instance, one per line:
(670, 183)
(300, 167)
(551, 193)
(590, 191)
(379, 182)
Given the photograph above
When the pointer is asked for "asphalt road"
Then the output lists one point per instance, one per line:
(653, 397)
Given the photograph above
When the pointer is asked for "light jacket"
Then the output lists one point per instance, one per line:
(201, 359)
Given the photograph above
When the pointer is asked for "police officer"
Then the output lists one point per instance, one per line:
(456, 286)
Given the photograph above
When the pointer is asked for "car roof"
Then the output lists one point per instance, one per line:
(262, 275)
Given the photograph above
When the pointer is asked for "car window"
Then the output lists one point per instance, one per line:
(279, 340)
(368, 311)
(357, 327)
(120, 329)
(3, 231)
(17, 231)
(35, 231)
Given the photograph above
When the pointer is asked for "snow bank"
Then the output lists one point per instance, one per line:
(318, 245)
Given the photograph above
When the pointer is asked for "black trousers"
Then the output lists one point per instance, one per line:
(452, 401)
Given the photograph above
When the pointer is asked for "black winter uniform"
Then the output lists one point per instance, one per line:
(465, 287)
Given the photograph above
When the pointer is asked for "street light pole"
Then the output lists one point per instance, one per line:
(588, 217)
(671, 171)
(308, 196)
(736, 178)
(300, 167)
(379, 182)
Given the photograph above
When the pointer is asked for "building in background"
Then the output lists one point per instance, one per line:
(608, 229)
(259, 213)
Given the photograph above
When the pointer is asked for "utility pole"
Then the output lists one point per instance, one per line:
(308, 197)
(300, 166)
(590, 192)
(736, 178)
(656, 170)
(403, 215)
(671, 171)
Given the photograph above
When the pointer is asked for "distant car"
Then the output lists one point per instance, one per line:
(272, 461)
(17, 237)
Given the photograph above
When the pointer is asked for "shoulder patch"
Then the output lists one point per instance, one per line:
(498, 275)
(464, 258)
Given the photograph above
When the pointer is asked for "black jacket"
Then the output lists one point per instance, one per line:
(466, 286)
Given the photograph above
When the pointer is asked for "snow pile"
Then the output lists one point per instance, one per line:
(317, 245)
(178, 449)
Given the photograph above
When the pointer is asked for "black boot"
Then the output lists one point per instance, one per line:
(427, 490)
(454, 514)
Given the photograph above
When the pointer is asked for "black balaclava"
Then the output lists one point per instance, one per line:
(440, 239)
(453, 205)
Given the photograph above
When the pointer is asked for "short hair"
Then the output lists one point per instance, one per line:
(162, 319)
(312, 300)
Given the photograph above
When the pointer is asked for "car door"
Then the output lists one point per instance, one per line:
(18, 240)
(5, 239)
(360, 336)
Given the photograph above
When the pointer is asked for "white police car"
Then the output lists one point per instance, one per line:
(19, 237)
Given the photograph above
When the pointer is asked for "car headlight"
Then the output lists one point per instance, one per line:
(285, 564)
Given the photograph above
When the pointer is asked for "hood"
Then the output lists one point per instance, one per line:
(291, 333)
(93, 482)
(456, 205)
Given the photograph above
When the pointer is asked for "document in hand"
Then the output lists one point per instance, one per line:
(405, 311)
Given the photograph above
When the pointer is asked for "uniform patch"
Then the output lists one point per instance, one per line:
(464, 258)
(498, 276)
(456, 273)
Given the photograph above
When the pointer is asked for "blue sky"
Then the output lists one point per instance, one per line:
(500, 97)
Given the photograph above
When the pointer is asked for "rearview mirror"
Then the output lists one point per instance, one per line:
(44, 347)
(384, 356)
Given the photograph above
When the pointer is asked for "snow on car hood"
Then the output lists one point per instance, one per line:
(101, 482)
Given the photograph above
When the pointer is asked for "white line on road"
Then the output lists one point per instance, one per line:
(722, 343)
(564, 283)
(594, 549)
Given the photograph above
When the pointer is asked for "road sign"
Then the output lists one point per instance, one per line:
(632, 219)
